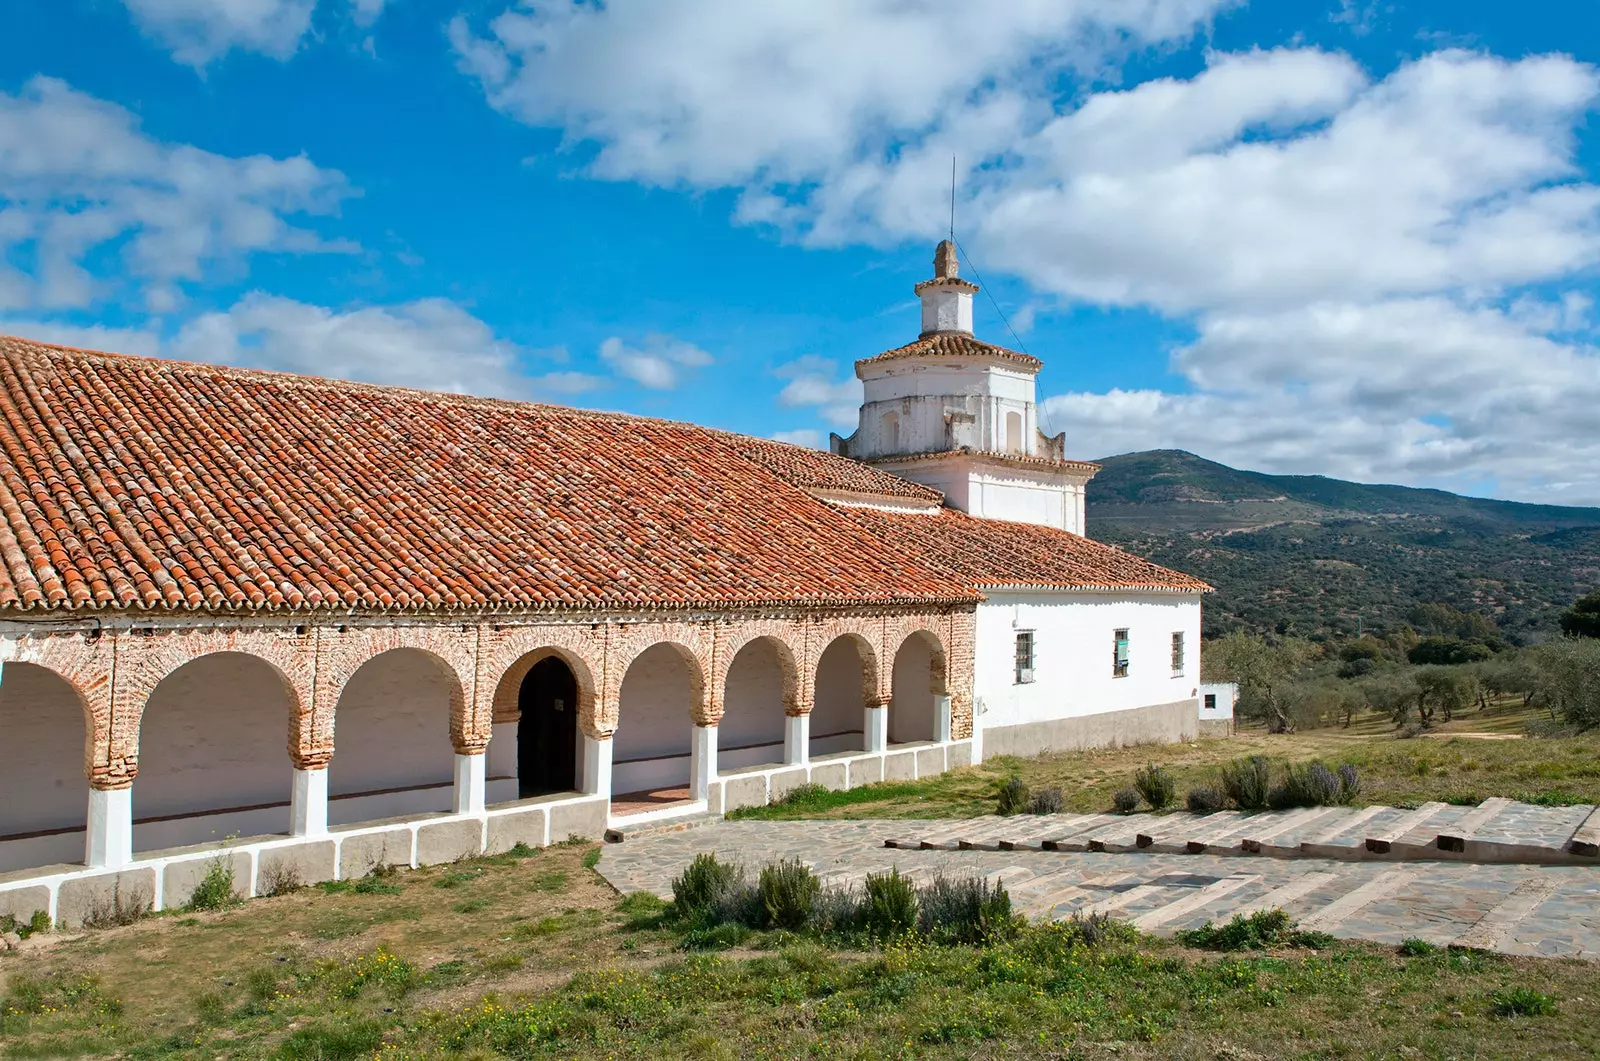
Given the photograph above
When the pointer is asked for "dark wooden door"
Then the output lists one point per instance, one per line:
(547, 735)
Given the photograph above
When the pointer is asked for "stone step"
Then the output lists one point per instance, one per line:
(1458, 835)
(620, 833)
(1585, 839)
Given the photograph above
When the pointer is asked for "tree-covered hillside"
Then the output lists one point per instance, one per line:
(1309, 555)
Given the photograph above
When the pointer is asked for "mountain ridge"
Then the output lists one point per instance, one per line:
(1318, 556)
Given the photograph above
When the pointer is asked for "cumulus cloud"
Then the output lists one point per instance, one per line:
(199, 31)
(1388, 277)
(432, 344)
(812, 383)
(656, 363)
(79, 178)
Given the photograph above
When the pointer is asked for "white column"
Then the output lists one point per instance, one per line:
(109, 844)
(877, 728)
(702, 761)
(471, 773)
(308, 803)
(596, 779)
(796, 740)
(941, 718)
(977, 730)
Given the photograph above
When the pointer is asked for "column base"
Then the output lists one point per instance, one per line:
(109, 840)
(308, 803)
(472, 773)
(597, 754)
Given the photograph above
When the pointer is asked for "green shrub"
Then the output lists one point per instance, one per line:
(1205, 799)
(521, 850)
(703, 884)
(965, 910)
(336, 1041)
(39, 922)
(1521, 1002)
(809, 796)
(1264, 928)
(1014, 796)
(788, 892)
(890, 907)
(209, 1008)
(717, 937)
(215, 890)
(1248, 782)
(378, 881)
(109, 911)
(1349, 784)
(1157, 785)
(1047, 801)
(1416, 948)
(1126, 800)
(837, 910)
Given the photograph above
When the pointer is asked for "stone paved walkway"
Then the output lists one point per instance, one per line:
(1513, 908)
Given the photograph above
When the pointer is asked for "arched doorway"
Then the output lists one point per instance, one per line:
(838, 713)
(652, 748)
(213, 753)
(547, 729)
(391, 734)
(44, 794)
(755, 696)
(918, 681)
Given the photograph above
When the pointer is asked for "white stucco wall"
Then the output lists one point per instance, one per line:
(922, 395)
(839, 710)
(911, 710)
(751, 731)
(41, 758)
(653, 723)
(392, 731)
(1073, 654)
(1225, 693)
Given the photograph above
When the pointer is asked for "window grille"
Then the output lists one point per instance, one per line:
(1177, 652)
(1024, 656)
(1119, 659)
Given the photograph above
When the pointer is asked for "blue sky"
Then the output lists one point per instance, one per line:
(1351, 238)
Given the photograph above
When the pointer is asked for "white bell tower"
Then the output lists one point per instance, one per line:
(958, 414)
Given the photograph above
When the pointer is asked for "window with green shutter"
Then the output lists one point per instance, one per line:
(1119, 660)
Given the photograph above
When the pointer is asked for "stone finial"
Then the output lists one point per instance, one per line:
(945, 264)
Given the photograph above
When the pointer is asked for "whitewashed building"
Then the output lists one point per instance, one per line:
(312, 626)
(1115, 659)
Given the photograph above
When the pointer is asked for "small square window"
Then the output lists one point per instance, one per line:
(1177, 653)
(1024, 656)
(1119, 658)
(1211, 701)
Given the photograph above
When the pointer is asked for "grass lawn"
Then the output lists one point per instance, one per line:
(535, 957)
(1445, 765)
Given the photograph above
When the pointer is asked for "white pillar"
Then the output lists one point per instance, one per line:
(977, 730)
(941, 718)
(796, 740)
(702, 761)
(877, 728)
(596, 779)
(471, 773)
(308, 803)
(109, 844)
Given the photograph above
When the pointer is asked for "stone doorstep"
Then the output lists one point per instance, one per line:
(623, 832)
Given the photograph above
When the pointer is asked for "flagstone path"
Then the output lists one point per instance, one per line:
(1388, 877)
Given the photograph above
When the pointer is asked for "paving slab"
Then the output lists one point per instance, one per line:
(1373, 899)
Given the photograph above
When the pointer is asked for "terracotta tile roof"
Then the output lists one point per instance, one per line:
(132, 484)
(992, 552)
(952, 344)
(814, 469)
(1089, 467)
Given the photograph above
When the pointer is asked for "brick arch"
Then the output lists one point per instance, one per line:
(691, 643)
(85, 663)
(144, 661)
(794, 702)
(509, 687)
(453, 649)
(939, 670)
(874, 692)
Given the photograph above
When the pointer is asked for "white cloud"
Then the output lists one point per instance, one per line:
(199, 31)
(78, 178)
(366, 12)
(657, 363)
(811, 383)
(806, 436)
(1389, 277)
(432, 344)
